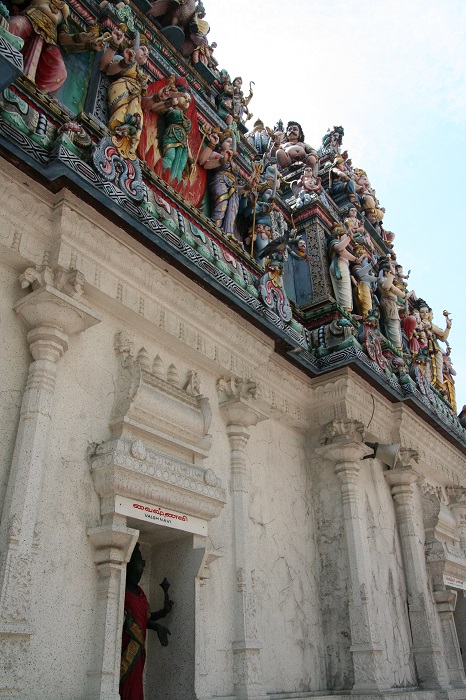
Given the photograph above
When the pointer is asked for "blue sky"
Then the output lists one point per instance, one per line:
(393, 74)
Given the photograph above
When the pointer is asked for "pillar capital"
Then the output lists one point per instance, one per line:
(343, 442)
(53, 316)
(401, 479)
(238, 402)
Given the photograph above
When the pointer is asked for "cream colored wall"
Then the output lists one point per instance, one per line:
(298, 550)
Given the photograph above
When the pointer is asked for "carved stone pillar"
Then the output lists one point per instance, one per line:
(113, 543)
(236, 403)
(344, 446)
(427, 644)
(53, 315)
(445, 602)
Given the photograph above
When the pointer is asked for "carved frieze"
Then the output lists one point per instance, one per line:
(130, 468)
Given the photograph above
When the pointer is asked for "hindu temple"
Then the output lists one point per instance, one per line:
(232, 464)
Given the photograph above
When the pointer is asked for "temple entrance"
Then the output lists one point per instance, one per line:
(460, 622)
(170, 671)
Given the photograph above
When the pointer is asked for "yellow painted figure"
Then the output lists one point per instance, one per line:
(127, 95)
(363, 280)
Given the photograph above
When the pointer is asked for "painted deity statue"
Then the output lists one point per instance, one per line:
(271, 287)
(126, 92)
(449, 373)
(341, 180)
(260, 137)
(340, 257)
(294, 149)
(353, 224)
(128, 99)
(224, 102)
(241, 112)
(434, 334)
(265, 222)
(306, 186)
(43, 26)
(401, 278)
(138, 619)
(364, 281)
(175, 149)
(389, 294)
(356, 226)
(332, 141)
(205, 54)
(371, 205)
(173, 12)
(196, 32)
(224, 187)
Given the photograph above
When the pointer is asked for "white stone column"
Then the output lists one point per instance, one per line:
(236, 403)
(445, 602)
(344, 446)
(427, 644)
(114, 544)
(52, 316)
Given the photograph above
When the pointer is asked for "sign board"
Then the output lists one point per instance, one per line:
(159, 515)
(454, 582)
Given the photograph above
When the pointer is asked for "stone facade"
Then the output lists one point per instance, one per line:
(320, 569)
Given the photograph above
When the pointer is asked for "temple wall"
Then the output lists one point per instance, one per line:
(295, 587)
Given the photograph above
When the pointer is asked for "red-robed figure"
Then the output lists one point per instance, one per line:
(138, 618)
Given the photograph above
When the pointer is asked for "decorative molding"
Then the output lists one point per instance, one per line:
(239, 405)
(158, 407)
(156, 478)
(345, 396)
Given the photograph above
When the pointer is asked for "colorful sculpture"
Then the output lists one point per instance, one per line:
(371, 205)
(389, 294)
(306, 186)
(257, 206)
(364, 281)
(241, 112)
(340, 258)
(204, 53)
(341, 180)
(171, 140)
(175, 149)
(43, 25)
(295, 150)
(271, 288)
(332, 140)
(259, 137)
(173, 12)
(224, 187)
(196, 32)
(126, 92)
(434, 334)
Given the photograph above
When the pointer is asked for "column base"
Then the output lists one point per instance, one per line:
(247, 672)
(14, 648)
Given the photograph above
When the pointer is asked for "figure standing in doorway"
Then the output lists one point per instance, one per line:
(138, 618)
